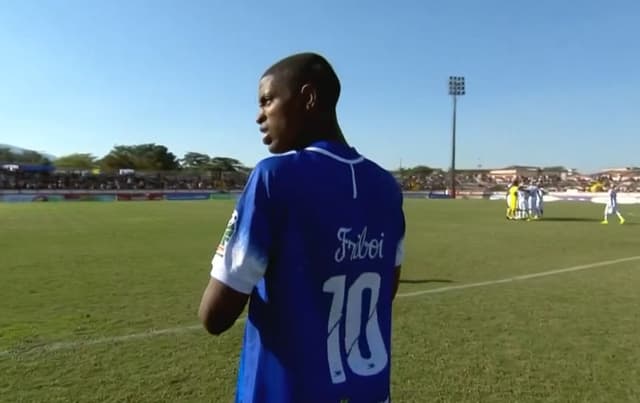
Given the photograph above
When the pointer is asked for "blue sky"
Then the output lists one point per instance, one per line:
(549, 82)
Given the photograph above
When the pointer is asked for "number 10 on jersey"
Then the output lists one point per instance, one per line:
(358, 364)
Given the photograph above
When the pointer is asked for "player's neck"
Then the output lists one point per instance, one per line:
(324, 130)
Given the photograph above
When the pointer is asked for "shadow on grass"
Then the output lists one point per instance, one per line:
(431, 280)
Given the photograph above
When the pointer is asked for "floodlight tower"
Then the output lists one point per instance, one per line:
(456, 89)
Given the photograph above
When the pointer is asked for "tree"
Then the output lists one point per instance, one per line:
(76, 161)
(157, 157)
(118, 158)
(23, 157)
(195, 160)
(229, 172)
(419, 170)
(145, 157)
(224, 164)
(6, 156)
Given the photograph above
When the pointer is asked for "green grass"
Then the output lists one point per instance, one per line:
(82, 271)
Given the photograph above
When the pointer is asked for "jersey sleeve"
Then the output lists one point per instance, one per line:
(241, 258)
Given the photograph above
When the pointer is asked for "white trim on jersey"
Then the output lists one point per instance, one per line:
(338, 158)
(400, 252)
(334, 156)
(353, 182)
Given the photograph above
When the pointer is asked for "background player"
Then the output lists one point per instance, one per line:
(540, 200)
(612, 205)
(533, 203)
(523, 204)
(512, 200)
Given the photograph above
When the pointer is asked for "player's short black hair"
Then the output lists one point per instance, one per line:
(309, 68)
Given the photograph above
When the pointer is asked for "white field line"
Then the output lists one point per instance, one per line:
(519, 278)
(69, 345)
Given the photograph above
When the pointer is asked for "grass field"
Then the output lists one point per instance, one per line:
(98, 303)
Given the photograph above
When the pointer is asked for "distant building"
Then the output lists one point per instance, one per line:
(558, 171)
(620, 174)
(516, 171)
(473, 172)
(510, 173)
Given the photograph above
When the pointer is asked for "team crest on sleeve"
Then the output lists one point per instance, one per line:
(228, 233)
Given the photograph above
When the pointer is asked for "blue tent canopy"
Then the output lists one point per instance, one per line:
(30, 167)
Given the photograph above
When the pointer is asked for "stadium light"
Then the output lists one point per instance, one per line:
(456, 89)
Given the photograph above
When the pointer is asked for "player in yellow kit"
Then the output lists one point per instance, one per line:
(512, 200)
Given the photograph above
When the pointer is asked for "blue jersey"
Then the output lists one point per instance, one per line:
(315, 239)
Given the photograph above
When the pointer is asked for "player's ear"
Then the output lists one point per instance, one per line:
(309, 96)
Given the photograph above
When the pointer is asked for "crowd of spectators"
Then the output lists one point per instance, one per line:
(482, 181)
(117, 182)
(435, 181)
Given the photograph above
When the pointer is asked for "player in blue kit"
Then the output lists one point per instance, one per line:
(315, 245)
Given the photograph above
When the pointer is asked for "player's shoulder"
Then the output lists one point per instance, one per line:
(377, 173)
(264, 174)
(274, 164)
(380, 170)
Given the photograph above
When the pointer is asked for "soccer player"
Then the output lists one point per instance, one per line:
(315, 244)
(512, 200)
(612, 205)
(540, 199)
(523, 196)
(534, 193)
